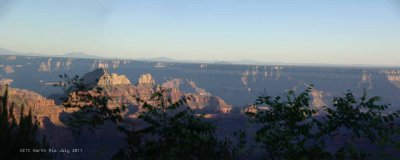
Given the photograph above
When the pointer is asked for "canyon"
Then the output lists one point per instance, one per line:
(220, 91)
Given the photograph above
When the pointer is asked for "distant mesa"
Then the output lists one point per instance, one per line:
(222, 62)
(4, 51)
(80, 55)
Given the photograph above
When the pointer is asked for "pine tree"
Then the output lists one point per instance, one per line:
(18, 139)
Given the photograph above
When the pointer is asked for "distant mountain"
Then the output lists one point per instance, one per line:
(222, 62)
(159, 59)
(251, 62)
(79, 55)
(82, 55)
(4, 51)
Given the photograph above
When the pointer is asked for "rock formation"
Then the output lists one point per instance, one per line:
(366, 81)
(11, 58)
(146, 79)
(8, 69)
(45, 66)
(121, 92)
(317, 98)
(393, 76)
(68, 64)
(100, 77)
(102, 63)
(113, 79)
(41, 107)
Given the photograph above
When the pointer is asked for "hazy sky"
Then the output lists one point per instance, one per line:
(296, 31)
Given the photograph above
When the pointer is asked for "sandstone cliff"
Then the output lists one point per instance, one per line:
(41, 107)
(113, 79)
(146, 80)
(121, 92)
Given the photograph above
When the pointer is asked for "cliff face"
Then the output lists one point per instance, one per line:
(121, 92)
(101, 77)
(113, 79)
(200, 99)
(40, 106)
(393, 76)
(45, 66)
(146, 80)
(61, 65)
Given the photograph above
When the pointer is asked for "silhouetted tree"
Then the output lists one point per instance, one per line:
(360, 120)
(292, 129)
(173, 131)
(287, 125)
(91, 104)
(170, 130)
(17, 137)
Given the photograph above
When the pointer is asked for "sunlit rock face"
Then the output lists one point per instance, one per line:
(146, 80)
(106, 64)
(101, 77)
(121, 92)
(317, 98)
(45, 66)
(393, 76)
(145, 87)
(63, 64)
(8, 69)
(113, 79)
(40, 106)
(366, 80)
(238, 85)
(199, 99)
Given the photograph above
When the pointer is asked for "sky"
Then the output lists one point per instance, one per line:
(296, 31)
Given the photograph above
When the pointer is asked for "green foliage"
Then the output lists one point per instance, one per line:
(16, 136)
(292, 129)
(173, 131)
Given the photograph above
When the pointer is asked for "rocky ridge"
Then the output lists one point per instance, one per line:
(40, 106)
(121, 92)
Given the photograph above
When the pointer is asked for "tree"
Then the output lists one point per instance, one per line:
(17, 136)
(173, 131)
(292, 129)
(168, 130)
(354, 121)
(91, 104)
(287, 124)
